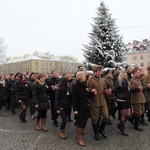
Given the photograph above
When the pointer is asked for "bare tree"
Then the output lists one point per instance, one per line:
(2, 51)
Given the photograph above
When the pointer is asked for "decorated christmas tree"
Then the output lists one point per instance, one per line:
(105, 47)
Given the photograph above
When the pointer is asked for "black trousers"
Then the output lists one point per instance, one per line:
(53, 111)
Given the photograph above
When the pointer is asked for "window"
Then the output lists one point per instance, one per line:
(36, 70)
(46, 70)
(42, 64)
(46, 63)
(141, 57)
(50, 64)
(36, 63)
(142, 64)
(135, 57)
(42, 70)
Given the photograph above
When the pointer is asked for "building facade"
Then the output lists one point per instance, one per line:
(39, 65)
(139, 54)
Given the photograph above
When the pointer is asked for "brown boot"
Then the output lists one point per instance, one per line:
(62, 134)
(44, 125)
(79, 136)
(37, 124)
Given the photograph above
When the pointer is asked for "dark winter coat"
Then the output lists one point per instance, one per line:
(11, 87)
(80, 99)
(22, 91)
(122, 92)
(61, 98)
(52, 81)
(40, 95)
(3, 95)
(30, 84)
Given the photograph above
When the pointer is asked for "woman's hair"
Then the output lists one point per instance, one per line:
(63, 82)
(40, 75)
(120, 78)
(80, 75)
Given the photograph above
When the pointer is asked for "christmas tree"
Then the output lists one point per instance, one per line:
(105, 47)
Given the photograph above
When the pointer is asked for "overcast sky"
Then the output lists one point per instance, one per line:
(62, 26)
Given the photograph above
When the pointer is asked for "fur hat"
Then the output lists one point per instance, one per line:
(96, 68)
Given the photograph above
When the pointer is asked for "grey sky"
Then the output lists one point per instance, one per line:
(62, 26)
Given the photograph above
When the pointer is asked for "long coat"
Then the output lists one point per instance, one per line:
(22, 91)
(100, 86)
(40, 95)
(80, 99)
(137, 95)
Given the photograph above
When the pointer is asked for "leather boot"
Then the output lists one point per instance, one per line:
(121, 127)
(136, 126)
(79, 136)
(101, 129)
(148, 115)
(62, 134)
(24, 118)
(20, 118)
(37, 124)
(96, 132)
(132, 120)
(44, 125)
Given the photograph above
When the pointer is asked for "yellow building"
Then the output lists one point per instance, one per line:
(39, 65)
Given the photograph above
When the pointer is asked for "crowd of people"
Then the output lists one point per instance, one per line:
(96, 95)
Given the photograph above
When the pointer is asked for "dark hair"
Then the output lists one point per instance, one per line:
(126, 67)
(107, 72)
(32, 73)
(11, 74)
(79, 66)
(63, 82)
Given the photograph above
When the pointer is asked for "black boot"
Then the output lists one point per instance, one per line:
(109, 122)
(101, 129)
(121, 127)
(24, 118)
(21, 118)
(148, 115)
(136, 126)
(132, 120)
(142, 121)
(113, 112)
(96, 132)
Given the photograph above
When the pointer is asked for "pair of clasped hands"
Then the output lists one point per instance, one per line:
(109, 91)
(141, 87)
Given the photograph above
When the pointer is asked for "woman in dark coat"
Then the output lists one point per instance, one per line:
(80, 95)
(122, 93)
(22, 96)
(41, 100)
(62, 104)
(3, 96)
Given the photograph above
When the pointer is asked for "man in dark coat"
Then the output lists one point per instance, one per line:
(52, 84)
(11, 86)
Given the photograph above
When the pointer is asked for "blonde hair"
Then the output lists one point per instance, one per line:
(121, 74)
(80, 75)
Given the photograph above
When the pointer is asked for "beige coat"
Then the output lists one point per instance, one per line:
(137, 95)
(100, 86)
